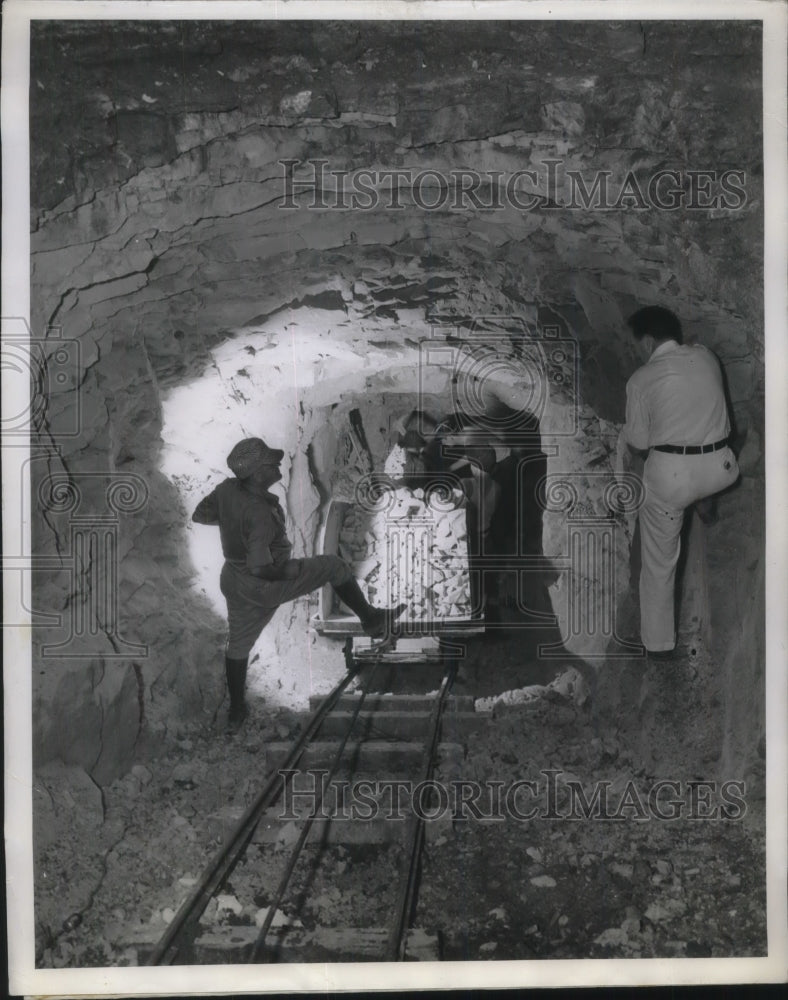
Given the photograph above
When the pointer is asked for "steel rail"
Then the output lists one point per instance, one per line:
(395, 945)
(225, 860)
(257, 947)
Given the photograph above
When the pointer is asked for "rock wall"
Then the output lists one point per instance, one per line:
(187, 239)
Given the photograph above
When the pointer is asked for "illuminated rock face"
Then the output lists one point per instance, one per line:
(526, 171)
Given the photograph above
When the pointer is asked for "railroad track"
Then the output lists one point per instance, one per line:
(346, 780)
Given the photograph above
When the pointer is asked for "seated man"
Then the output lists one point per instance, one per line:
(258, 574)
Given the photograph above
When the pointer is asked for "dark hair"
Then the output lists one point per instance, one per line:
(656, 322)
(411, 439)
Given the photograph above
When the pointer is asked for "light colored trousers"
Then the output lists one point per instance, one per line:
(672, 483)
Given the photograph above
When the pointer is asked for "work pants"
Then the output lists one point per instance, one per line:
(672, 483)
(252, 602)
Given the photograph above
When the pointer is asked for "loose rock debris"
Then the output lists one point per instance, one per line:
(550, 886)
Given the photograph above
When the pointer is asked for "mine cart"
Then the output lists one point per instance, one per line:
(405, 546)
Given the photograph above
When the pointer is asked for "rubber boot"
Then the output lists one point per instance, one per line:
(376, 622)
(235, 671)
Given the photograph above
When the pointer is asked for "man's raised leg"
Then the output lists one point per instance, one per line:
(317, 571)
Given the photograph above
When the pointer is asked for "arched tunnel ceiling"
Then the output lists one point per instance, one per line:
(161, 240)
(162, 214)
(423, 84)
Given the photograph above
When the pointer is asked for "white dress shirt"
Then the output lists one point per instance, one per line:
(676, 398)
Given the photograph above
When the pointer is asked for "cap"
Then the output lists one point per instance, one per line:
(250, 454)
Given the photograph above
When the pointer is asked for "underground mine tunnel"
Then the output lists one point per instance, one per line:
(203, 234)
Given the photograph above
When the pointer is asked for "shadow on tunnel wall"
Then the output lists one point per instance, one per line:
(130, 648)
(522, 643)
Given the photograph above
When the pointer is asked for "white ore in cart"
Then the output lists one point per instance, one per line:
(404, 548)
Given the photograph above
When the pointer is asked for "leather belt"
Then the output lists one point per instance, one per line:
(691, 449)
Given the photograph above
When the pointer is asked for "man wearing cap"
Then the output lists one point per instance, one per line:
(258, 573)
(676, 411)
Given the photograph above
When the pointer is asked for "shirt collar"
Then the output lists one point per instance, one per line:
(260, 492)
(663, 348)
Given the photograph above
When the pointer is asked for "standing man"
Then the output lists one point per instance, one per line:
(258, 574)
(676, 411)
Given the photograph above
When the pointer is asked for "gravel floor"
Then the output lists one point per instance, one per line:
(551, 873)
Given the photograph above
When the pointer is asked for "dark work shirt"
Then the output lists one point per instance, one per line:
(251, 524)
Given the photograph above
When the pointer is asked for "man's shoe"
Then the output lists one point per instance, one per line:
(376, 622)
(380, 622)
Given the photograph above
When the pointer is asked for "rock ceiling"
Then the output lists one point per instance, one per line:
(167, 243)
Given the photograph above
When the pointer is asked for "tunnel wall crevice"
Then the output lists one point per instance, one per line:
(159, 238)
